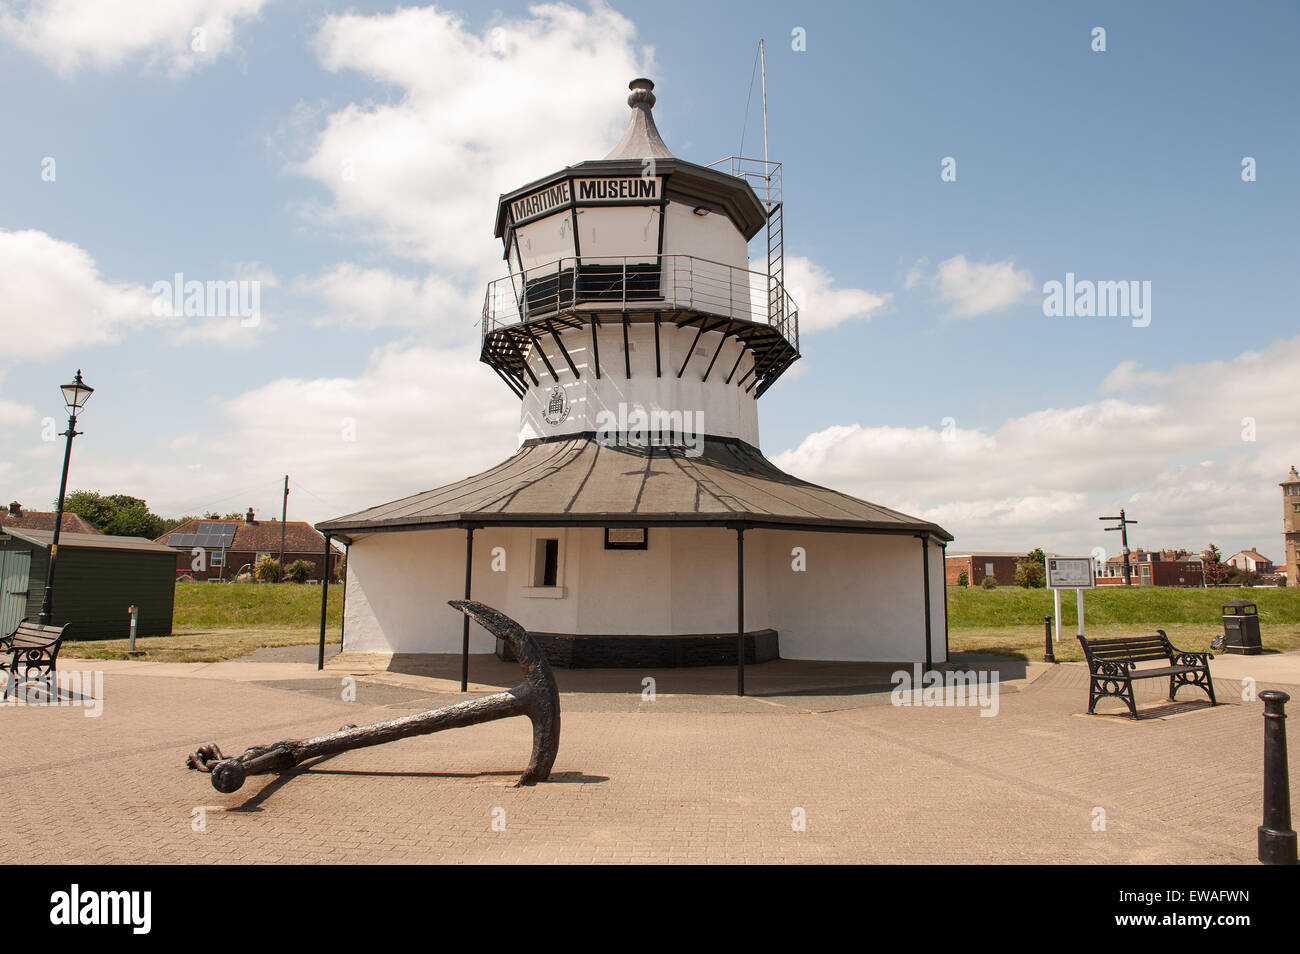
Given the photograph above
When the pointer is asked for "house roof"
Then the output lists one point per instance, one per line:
(1252, 554)
(991, 553)
(579, 481)
(86, 541)
(299, 537)
(44, 520)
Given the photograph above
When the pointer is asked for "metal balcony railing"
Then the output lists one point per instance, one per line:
(640, 283)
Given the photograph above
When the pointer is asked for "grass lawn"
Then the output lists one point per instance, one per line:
(221, 621)
(216, 621)
(1008, 621)
(199, 646)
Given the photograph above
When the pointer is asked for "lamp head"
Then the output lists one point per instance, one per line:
(76, 393)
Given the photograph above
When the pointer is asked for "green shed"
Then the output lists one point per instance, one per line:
(97, 580)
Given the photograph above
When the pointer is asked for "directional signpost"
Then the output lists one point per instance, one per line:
(1069, 573)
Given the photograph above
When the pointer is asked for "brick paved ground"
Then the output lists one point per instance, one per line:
(691, 776)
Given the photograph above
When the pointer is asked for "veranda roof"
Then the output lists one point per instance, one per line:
(578, 481)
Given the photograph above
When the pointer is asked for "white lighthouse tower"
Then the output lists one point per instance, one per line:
(630, 299)
(639, 522)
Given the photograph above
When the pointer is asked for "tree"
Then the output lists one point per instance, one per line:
(1031, 572)
(117, 514)
(1216, 571)
(171, 523)
(1238, 577)
(300, 571)
(963, 578)
(267, 570)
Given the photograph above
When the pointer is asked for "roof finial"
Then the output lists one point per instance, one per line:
(642, 139)
(642, 93)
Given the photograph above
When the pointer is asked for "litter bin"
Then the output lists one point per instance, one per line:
(1241, 628)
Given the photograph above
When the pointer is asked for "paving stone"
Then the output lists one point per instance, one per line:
(692, 777)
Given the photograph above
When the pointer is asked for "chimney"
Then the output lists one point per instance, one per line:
(249, 517)
(15, 509)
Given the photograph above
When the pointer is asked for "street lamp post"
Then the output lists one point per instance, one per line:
(75, 395)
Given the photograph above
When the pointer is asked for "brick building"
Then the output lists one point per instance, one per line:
(229, 547)
(20, 519)
(1172, 567)
(979, 564)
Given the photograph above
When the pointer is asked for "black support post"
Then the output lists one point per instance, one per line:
(464, 633)
(343, 610)
(627, 352)
(324, 603)
(1277, 840)
(925, 569)
(564, 351)
(658, 369)
(541, 353)
(692, 351)
(47, 596)
(740, 611)
(944, 551)
(1048, 655)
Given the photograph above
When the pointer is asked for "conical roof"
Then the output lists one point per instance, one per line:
(642, 139)
(580, 481)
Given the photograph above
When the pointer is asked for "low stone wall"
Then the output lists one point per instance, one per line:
(567, 651)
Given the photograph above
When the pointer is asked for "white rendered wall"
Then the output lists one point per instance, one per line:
(544, 241)
(859, 599)
(713, 237)
(728, 411)
(608, 234)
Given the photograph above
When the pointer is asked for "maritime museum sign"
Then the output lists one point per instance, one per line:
(592, 191)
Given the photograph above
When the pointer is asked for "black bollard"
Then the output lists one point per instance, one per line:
(1048, 655)
(1277, 840)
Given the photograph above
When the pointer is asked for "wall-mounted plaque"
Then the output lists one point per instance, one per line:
(627, 538)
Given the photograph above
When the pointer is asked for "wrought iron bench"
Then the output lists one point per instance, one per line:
(1112, 664)
(32, 646)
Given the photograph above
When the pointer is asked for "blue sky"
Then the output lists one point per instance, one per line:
(1116, 165)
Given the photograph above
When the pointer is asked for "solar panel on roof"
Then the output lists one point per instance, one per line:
(210, 535)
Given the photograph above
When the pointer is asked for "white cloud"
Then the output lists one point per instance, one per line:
(12, 413)
(72, 35)
(820, 304)
(415, 418)
(421, 175)
(1175, 456)
(57, 300)
(376, 297)
(974, 288)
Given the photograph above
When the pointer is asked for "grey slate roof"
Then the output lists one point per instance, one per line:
(579, 481)
(86, 541)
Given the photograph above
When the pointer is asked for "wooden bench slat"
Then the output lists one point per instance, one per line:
(23, 641)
